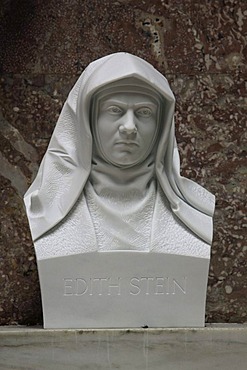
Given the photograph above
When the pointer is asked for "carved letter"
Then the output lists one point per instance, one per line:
(178, 285)
(68, 287)
(81, 286)
(100, 290)
(135, 286)
(114, 286)
(147, 279)
(161, 280)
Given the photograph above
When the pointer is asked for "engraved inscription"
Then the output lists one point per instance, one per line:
(114, 286)
(157, 285)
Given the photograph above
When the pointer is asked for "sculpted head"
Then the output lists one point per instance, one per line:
(125, 122)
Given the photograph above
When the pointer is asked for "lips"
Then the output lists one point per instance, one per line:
(128, 143)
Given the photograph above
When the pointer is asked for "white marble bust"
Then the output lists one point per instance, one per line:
(110, 179)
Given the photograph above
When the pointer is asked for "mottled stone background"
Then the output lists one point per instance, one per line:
(201, 48)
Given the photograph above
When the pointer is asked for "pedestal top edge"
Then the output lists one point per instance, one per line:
(29, 330)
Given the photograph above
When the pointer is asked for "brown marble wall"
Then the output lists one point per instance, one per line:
(199, 45)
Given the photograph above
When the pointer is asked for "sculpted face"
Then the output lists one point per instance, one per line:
(126, 126)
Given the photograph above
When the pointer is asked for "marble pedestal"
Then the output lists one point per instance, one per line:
(123, 289)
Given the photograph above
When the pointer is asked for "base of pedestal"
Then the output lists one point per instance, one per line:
(220, 347)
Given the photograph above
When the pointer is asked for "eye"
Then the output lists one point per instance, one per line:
(114, 109)
(144, 112)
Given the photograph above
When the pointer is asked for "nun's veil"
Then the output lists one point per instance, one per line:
(66, 165)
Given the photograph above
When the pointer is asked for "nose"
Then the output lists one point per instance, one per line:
(128, 125)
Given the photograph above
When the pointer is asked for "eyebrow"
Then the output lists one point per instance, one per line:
(122, 104)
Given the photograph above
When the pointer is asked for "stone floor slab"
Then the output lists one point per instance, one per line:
(213, 347)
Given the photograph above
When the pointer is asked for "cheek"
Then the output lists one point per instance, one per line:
(102, 126)
(105, 129)
(148, 130)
